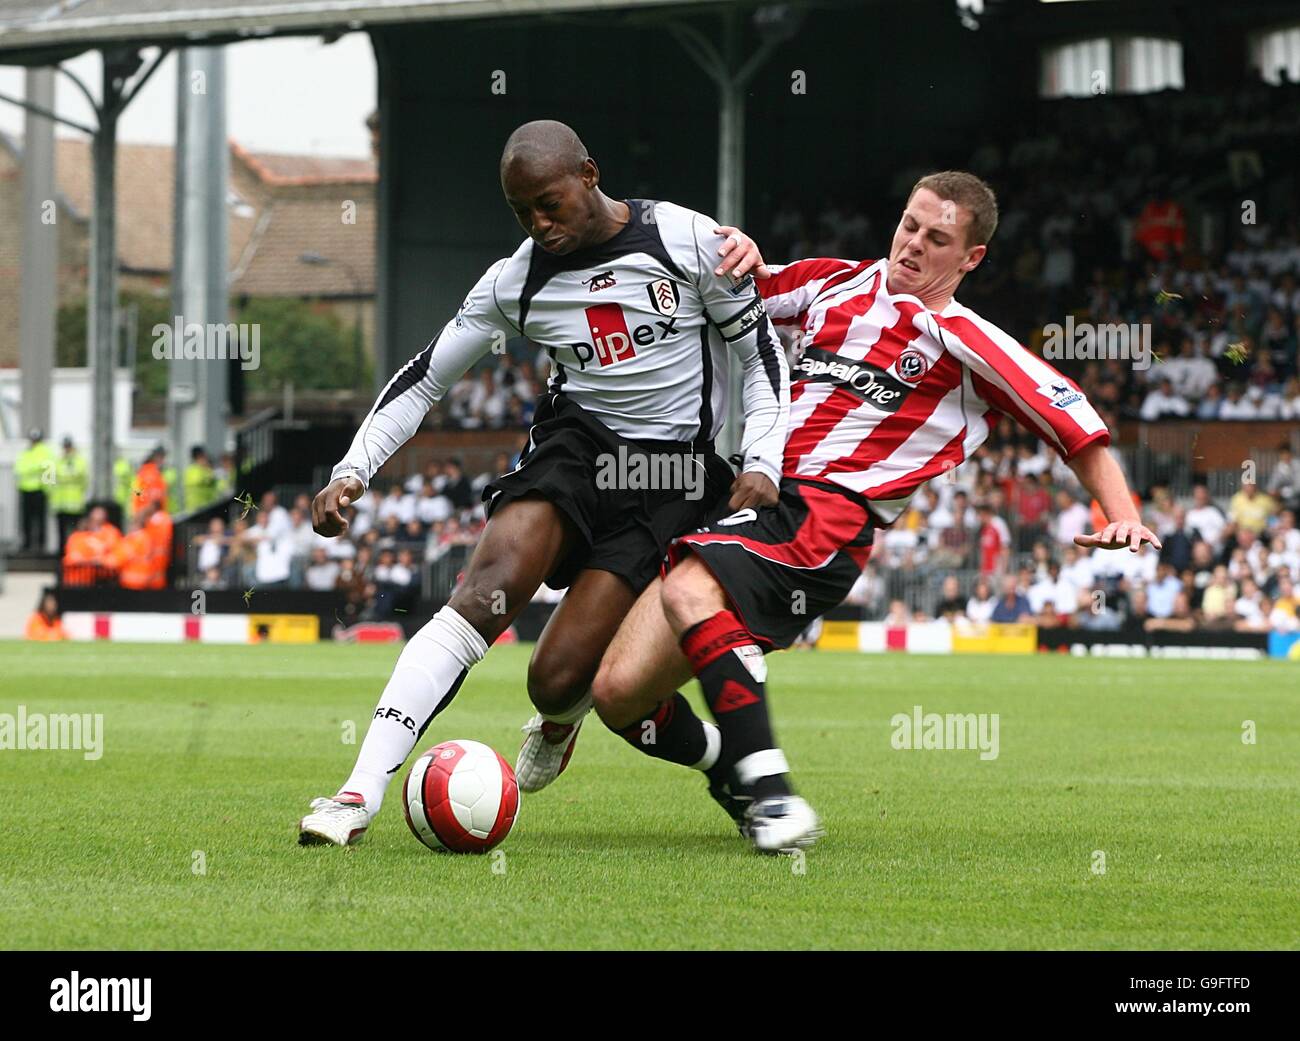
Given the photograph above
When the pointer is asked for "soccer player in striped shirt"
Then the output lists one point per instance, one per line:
(896, 384)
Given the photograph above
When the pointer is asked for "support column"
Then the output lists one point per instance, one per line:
(101, 330)
(40, 249)
(196, 395)
(724, 67)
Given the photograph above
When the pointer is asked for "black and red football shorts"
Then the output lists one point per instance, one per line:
(783, 566)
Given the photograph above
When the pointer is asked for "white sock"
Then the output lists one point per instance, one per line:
(426, 677)
(767, 763)
(571, 715)
(712, 746)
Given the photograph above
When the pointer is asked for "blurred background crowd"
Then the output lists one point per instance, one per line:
(1146, 212)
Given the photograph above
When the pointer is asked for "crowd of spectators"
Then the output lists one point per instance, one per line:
(500, 393)
(995, 543)
(1122, 211)
(1155, 213)
(393, 530)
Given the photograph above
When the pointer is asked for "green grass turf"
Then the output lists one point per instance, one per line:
(219, 749)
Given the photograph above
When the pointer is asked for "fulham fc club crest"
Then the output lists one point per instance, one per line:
(664, 296)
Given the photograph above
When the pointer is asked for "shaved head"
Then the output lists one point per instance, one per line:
(553, 187)
(544, 147)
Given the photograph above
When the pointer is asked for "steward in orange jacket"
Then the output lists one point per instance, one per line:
(150, 487)
(89, 549)
(133, 558)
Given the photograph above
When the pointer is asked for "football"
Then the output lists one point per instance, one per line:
(461, 797)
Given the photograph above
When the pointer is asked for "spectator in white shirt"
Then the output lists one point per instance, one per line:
(1076, 569)
(1163, 592)
(1032, 461)
(1072, 518)
(1054, 589)
(431, 507)
(300, 534)
(958, 512)
(1163, 402)
(1249, 605)
(979, 608)
(403, 572)
(397, 504)
(1190, 373)
(1205, 518)
(321, 573)
(212, 546)
(274, 561)
(1291, 390)
(390, 505)
(337, 548)
(1238, 405)
(1284, 481)
(277, 522)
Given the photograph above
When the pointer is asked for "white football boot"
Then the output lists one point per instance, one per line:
(781, 824)
(337, 821)
(545, 752)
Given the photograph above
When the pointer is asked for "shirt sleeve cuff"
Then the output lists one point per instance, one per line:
(343, 470)
(1101, 437)
(762, 466)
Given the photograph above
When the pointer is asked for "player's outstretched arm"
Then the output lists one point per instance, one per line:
(1039, 398)
(1101, 476)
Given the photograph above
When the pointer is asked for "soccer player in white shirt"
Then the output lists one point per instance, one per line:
(641, 327)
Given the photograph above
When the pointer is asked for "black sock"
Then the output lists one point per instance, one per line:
(673, 733)
(737, 698)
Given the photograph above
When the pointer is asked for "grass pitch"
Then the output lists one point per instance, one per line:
(183, 834)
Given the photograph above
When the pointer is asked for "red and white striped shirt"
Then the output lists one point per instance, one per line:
(888, 394)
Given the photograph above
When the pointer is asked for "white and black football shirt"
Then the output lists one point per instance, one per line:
(641, 331)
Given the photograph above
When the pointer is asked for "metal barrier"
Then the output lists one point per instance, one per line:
(83, 575)
(439, 574)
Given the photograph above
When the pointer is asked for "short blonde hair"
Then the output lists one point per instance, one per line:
(965, 189)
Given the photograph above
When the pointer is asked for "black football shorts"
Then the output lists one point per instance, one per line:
(625, 530)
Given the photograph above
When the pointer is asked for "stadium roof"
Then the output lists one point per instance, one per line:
(28, 27)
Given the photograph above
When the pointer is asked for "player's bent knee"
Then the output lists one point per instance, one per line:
(690, 594)
(614, 697)
(554, 686)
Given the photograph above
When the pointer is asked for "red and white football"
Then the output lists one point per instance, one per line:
(461, 797)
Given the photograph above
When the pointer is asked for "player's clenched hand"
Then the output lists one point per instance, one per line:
(1117, 535)
(326, 509)
(739, 255)
(752, 489)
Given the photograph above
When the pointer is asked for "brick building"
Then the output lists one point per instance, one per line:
(300, 226)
